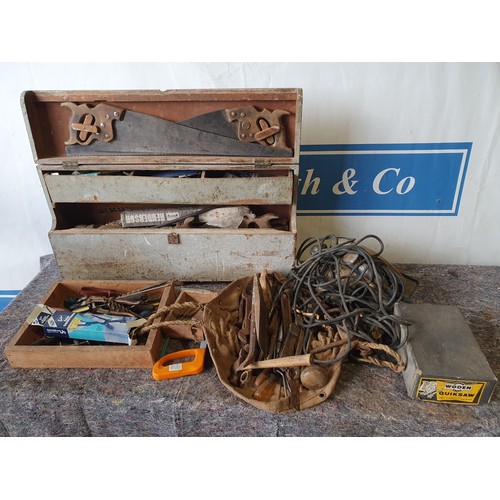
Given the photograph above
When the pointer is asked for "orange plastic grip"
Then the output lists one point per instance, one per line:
(163, 369)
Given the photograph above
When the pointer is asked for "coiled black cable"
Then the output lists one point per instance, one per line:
(346, 285)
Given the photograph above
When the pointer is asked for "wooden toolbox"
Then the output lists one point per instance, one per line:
(88, 191)
(22, 353)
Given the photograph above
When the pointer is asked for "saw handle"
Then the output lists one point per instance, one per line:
(87, 123)
(265, 127)
(163, 369)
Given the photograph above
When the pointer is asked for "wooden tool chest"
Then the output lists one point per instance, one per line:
(88, 192)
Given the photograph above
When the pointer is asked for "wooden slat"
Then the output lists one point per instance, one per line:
(167, 95)
(65, 163)
(201, 255)
(188, 191)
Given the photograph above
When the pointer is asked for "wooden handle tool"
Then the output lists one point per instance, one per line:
(286, 362)
(266, 390)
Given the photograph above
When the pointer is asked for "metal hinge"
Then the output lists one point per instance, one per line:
(260, 163)
(70, 164)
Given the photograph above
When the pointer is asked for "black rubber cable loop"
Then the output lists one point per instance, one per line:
(364, 296)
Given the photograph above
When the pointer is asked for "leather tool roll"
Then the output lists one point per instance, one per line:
(228, 333)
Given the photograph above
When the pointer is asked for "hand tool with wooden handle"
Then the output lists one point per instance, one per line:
(286, 362)
(314, 377)
(267, 389)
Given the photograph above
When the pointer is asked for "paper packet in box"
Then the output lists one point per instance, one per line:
(154, 217)
(83, 326)
(226, 217)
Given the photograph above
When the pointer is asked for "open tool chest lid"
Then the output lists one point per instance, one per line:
(174, 128)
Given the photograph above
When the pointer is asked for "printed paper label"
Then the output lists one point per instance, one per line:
(175, 367)
(450, 391)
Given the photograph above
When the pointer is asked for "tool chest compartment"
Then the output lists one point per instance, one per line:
(167, 151)
(23, 351)
(140, 188)
(194, 256)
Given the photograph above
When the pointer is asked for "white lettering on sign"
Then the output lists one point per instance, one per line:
(400, 187)
(314, 183)
(382, 179)
(347, 183)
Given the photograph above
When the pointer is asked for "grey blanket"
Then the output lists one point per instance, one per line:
(368, 400)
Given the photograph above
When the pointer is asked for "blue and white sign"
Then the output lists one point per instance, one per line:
(382, 179)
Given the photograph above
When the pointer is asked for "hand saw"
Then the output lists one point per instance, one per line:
(107, 130)
(163, 369)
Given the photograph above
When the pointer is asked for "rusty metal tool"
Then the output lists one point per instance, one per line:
(246, 335)
(262, 222)
(265, 127)
(259, 313)
(88, 291)
(291, 374)
(104, 129)
(139, 296)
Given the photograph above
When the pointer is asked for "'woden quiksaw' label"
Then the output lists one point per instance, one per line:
(450, 391)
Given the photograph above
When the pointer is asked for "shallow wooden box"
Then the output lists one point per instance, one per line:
(21, 354)
(187, 295)
(82, 206)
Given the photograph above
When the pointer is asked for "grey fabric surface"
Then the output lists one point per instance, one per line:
(368, 400)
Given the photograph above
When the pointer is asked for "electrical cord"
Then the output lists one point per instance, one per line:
(347, 286)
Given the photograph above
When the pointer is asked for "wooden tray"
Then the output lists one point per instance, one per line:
(21, 354)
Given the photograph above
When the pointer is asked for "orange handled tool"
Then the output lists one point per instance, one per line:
(164, 369)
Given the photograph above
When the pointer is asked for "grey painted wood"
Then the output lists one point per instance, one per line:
(276, 190)
(201, 255)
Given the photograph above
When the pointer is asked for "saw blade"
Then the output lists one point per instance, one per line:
(140, 134)
(214, 122)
